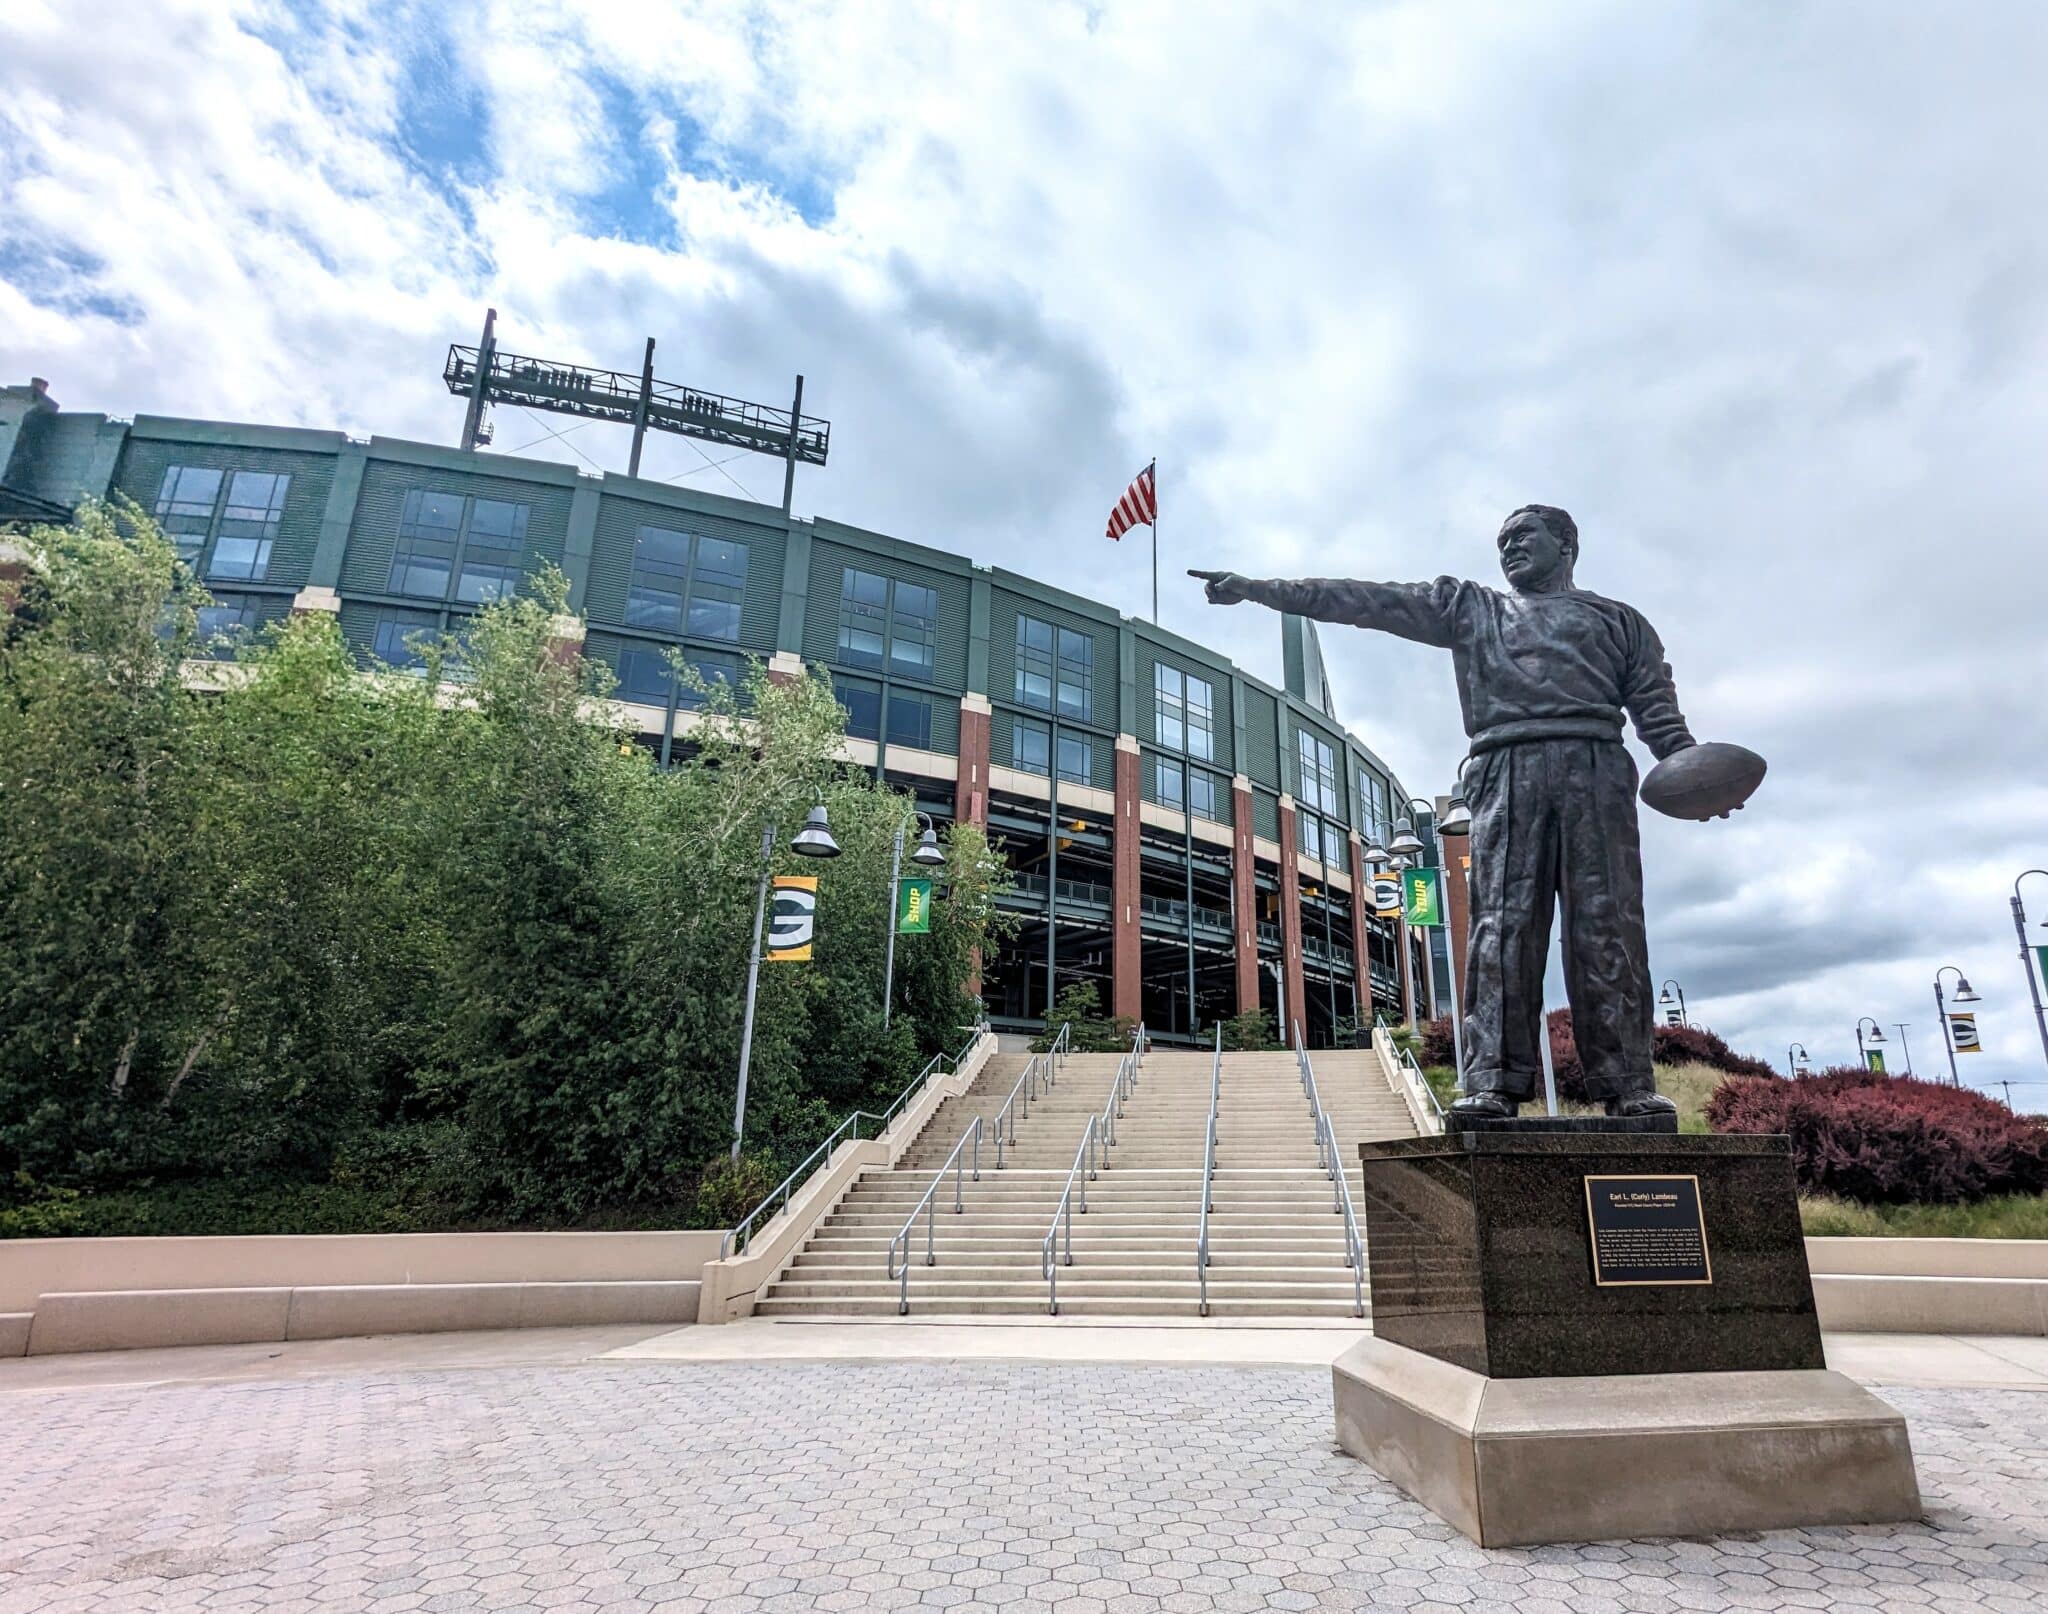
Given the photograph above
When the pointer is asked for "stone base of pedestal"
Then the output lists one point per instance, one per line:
(1519, 1462)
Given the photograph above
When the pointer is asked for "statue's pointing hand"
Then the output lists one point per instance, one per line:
(1222, 588)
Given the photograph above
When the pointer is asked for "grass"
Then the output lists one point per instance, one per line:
(2009, 1216)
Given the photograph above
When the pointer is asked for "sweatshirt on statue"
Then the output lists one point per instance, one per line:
(1529, 666)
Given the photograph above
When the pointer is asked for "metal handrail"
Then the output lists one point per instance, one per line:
(736, 1236)
(1027, 1085)
(1209, 1173)
(1048, 1247)
(928, 1205)
(1340, 1182)
(1405, 1057)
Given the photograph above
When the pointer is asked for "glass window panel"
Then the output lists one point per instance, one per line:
(660, 574)
(712, 617)
(910, 720)
(184, 507)
(492, 552)
(1202, 794)
(863, 703)
(1076, 673)
(228, 620)
(914, 629)
(1201, 718)
(1171, 783)
(1034, 662)
(394, 630)
(424, 558)
(714, 669)
(498, 522)
(645, 675)
(1031, 748)
(1077, 759)
(863, 617)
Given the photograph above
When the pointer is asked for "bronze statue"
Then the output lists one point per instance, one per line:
(1545, 672)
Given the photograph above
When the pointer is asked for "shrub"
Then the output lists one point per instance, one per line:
(1696, 1045)
(1437, 1047)
(1889, 1140)
(1080, 1006)
(731, 1188)
(1249, 1033)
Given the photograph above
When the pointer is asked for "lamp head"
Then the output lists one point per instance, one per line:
(1405, 843)
(815, 838)
(1458, 820)
(1376, 854)
(1963, 992)
(928, 853)
(1876, 1034)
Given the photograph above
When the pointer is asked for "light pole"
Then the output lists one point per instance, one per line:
(1457, 820)
(927, 856)
(1665, 1002)
(1802, 1063)
(2019, 925)
(1905, 1048)
(1963, 995)
(813, 840)
(1875, 1040)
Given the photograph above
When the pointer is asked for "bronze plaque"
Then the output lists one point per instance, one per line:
(1647, 1230)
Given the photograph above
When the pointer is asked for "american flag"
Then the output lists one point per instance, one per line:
(1140, 503)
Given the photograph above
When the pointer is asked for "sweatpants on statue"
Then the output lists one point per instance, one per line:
(1554, 825)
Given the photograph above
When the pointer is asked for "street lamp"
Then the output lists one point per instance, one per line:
(1665, 1001)
(1875, 1040)
(1963, 995)
(2019, 925)
(927, 856)
(813, 840)
(1802, 1064)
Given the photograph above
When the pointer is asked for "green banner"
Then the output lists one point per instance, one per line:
(913, 907)
(1422, 896)
(1874, 1058)
(2041, 953)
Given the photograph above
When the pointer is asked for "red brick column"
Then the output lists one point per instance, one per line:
(1126, 950)
(1245, 944)
(784, 667)
(1457, 855)
(970, 784)
(1290, 922)
(1361, 972)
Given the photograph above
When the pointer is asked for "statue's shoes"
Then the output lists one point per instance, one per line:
(1641, 1104)
(1489, 1103)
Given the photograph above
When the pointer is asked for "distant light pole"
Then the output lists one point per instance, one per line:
(1665, 1001)
(1875, 1040)
(813, 840)
(1963, 995)
(927, 856)
(1801, 1065)
(1457, 820)
(2019, 925)
(1904, 1046)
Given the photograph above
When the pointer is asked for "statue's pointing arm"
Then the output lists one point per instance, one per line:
(1652, 698)
(1424, 612)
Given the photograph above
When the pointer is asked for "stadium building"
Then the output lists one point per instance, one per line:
(1184, 835)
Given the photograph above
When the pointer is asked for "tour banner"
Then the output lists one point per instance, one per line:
(2042, 954)
(913, 907)
(1423, 894)
(1962, 1032)
(1874, 1058)
(792, 918)
(1386, 893)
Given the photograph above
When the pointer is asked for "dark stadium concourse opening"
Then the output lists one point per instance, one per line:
(1330, 1001)
(1187, 973)
(1061, 897)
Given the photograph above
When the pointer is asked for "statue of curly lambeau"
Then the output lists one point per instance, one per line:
(1546, 672)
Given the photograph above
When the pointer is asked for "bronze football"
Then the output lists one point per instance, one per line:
(1709, 780)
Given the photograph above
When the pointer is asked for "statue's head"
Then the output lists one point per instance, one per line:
(1538, 544)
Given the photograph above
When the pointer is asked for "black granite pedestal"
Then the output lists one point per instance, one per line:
(1591, 1335)
(1481, 1253)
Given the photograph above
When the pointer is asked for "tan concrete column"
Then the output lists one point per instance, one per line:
(315, 601)
(785, 667)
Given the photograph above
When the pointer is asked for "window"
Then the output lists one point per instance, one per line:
(394, 631)
(645, 675)
(1030, 747)
(884, 622)
(1185, 711)
(1172, 784)
(446, 541)
(1318, 773)
(863, 703)
(714, 668)
(429, 526)
(1055, 668)
(680, 577)
(1202, 794)
(1377, 798)
(248, 526)
(231, 617)
(910, 720)
(1309, 835)
(184, 508)
(490, 556)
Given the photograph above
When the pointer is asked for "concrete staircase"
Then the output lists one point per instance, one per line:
(1277, 1242)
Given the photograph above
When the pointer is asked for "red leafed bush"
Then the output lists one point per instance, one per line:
(1696, 1045)
(1889, 1140)
(1437, 1047)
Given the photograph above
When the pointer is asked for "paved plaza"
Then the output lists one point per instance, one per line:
(426, 1482)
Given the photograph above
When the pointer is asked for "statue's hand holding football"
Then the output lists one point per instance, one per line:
(1222, 588)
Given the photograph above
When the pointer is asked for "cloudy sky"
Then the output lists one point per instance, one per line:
(1758, 291)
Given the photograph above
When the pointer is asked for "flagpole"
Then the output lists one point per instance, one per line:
(1154, 469)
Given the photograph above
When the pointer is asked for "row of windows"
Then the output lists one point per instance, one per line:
(686, 582)
(1055, 669)
(1186, 789)
(1318, 771)
(1031, 752)
(1324, 841)
(909, 714)
(885, 622)
(452, 546)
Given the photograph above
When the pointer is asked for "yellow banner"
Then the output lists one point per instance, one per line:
(792, 918)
